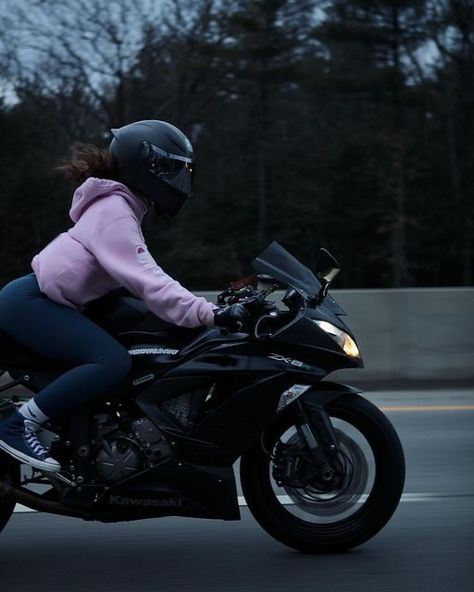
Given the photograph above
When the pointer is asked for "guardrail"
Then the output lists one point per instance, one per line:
(410, 334)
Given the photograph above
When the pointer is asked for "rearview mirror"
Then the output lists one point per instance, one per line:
(327, 266)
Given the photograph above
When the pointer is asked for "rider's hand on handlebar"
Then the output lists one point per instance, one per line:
(232, 317)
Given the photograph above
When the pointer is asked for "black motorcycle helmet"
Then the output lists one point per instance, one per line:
(155, 159)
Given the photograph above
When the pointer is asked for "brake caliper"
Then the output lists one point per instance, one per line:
(288, 462)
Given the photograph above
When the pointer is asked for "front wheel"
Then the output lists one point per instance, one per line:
(303, 511)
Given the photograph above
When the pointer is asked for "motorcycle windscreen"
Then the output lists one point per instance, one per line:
(283, 267)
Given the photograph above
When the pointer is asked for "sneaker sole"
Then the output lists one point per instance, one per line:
(38, 464)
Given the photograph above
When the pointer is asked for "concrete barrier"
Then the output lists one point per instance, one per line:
(424, 334)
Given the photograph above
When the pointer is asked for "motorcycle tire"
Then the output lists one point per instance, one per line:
(366, 521)
(9, 473)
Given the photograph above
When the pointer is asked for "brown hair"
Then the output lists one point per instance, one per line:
(87, 160)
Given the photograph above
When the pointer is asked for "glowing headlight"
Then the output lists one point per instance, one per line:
(344, 340)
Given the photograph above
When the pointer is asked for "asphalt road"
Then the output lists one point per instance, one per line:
(427, 545)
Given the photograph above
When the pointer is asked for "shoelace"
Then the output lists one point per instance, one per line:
(34, 443)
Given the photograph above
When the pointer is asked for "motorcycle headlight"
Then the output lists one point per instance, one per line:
(344, 340)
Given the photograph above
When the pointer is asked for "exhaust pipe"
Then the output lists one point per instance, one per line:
(36, 502)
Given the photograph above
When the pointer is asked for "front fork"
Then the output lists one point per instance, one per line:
(316, 430)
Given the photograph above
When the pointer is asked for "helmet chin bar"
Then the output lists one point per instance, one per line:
(174, 204)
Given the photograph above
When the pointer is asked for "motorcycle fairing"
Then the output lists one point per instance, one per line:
(172, 488)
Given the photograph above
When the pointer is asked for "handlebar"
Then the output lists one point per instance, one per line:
(261, 310)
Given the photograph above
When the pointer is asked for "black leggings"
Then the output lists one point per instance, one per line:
(62, 333)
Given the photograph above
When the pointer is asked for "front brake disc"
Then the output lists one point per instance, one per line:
(353, 476)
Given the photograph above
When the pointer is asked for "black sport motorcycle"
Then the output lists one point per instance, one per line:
(321, 468)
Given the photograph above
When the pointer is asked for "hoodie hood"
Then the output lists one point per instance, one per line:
(94, 188)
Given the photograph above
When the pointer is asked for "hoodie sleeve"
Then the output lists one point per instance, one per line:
(120, 249)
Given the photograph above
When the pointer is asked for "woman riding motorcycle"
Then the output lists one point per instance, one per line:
(148, 163)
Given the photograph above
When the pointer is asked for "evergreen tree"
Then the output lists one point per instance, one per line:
(367, 41)
(340, 126)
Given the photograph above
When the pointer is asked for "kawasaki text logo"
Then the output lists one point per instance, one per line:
(145, 503)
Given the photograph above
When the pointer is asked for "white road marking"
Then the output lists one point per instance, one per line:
(287, 501)
(406, 497)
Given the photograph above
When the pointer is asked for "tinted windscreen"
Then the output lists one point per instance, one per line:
(281, 265)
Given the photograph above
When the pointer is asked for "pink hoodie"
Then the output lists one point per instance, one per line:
(106, 249)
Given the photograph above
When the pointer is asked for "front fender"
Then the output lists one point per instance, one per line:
(324, 392)
(318, 395)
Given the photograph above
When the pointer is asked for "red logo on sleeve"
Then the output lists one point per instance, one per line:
(146, 259)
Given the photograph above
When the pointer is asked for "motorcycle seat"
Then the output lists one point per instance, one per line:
(122, 315)
(125, 317)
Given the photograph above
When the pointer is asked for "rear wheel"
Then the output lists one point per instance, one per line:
(318, 515)
(9, 474)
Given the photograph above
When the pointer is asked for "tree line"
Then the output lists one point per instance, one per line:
(339, 123)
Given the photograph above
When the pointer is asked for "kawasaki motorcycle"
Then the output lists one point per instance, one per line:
(321, 468)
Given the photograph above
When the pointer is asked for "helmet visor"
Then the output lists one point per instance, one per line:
(173, 169)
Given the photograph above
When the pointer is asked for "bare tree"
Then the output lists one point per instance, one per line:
(88, 45)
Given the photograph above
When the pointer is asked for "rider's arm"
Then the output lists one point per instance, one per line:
(120, 249)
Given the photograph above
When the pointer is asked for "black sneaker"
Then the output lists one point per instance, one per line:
(18, 439)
